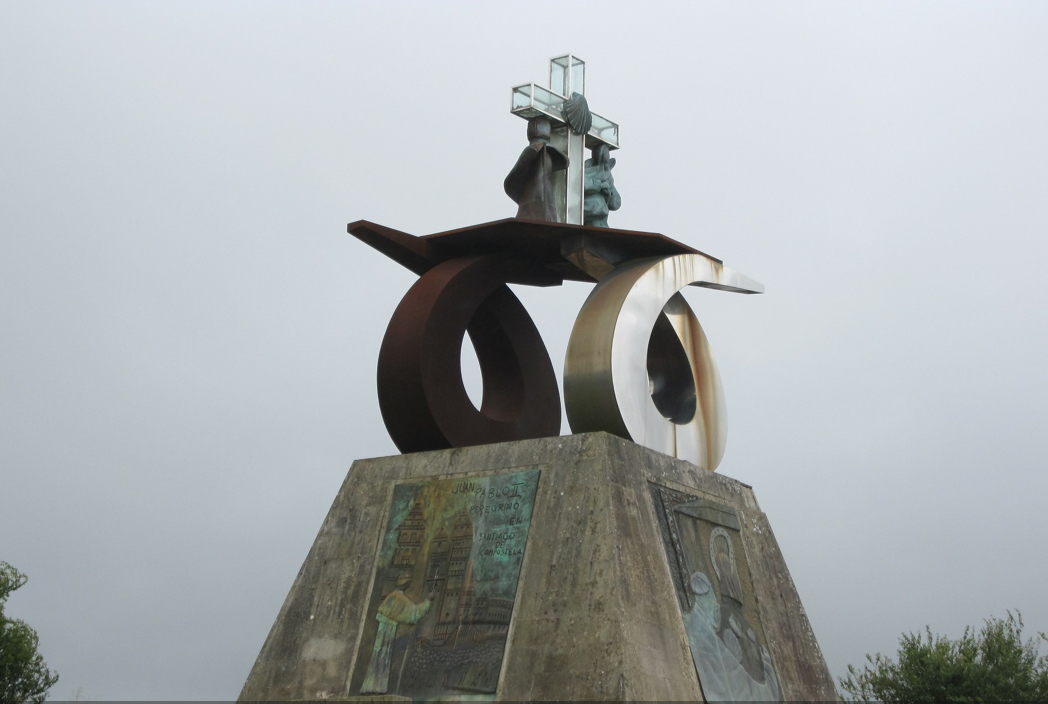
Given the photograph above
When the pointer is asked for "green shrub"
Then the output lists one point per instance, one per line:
(993, 665)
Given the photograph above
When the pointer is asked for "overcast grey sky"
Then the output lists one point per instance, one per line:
(189, 336)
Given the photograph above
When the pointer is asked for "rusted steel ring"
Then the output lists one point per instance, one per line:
(423, 401)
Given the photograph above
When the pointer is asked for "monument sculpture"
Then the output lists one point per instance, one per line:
(498, 560)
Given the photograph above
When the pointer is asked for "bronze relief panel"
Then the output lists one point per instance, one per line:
(444, 587)
(711, 575)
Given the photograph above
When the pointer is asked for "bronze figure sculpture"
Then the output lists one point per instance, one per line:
(530, 183)
(601, 194)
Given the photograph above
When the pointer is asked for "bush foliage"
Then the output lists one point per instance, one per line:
(24, 676)
(993, 665)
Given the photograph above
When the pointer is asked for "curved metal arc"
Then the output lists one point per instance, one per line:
(589, 389)
(608, 367)
(731, 281)
(421, 395)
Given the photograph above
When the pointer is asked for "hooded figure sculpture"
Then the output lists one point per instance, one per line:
(530, 183)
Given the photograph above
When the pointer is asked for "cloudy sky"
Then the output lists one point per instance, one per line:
(188, 336)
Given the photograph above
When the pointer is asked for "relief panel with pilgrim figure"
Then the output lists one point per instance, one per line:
(712, 580)
(444, 587)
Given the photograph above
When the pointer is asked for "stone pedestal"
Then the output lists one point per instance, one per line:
(577, 567)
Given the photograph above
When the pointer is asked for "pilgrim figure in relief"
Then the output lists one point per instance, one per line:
(395, 610)
(731, 663)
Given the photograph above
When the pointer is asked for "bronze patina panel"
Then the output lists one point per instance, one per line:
(444, 587)
(712, 578)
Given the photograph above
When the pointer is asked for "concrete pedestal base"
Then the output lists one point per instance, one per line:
(640, 576)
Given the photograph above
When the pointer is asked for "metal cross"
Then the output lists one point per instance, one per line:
(567, 76)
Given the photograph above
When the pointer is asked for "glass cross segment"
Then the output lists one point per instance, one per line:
(567, 75)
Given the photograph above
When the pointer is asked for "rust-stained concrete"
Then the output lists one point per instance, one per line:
(596, 616)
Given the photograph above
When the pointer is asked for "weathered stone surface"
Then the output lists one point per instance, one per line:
(596, 614)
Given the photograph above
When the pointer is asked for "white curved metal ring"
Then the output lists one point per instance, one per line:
(639, 365)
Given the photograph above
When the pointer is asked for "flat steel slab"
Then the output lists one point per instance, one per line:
(552, 246)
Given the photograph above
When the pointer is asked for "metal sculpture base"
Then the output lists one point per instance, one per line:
(638, 362)
(580, 567)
